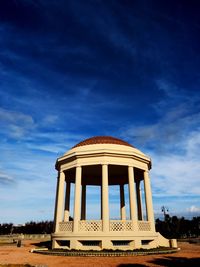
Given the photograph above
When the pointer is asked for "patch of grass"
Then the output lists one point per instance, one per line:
(114, 250)
(8, 244)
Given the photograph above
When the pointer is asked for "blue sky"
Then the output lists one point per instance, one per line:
(73, 69)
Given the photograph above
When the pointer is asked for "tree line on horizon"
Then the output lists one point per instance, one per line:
(174, 227)
(170, 227)
(43, 227)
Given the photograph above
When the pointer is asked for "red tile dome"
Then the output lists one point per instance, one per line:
(102, 140)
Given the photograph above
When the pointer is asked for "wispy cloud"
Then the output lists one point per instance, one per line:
(194, 209)
(178, 117)
(15, 124)
(173, 143)
(6, 179)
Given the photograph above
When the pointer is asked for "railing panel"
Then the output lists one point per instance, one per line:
(90, 226)
(118, 225)
(65, 226)
(144, 226)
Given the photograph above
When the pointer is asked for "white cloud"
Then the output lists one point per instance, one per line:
(193, 209)
(175, 175)
(34, 190)
(178, 173)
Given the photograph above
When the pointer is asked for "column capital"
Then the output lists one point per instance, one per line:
(104, 164)
(61, 173)
(78, 166)
(61, 176)
(147, 176)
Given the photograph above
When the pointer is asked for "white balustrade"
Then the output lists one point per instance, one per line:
(96, 226)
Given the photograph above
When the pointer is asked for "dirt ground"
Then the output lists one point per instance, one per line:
(189, 255)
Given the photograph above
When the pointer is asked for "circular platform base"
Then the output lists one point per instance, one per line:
(105, 253)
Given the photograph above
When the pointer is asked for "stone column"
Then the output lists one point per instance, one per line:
(148, 199)
(132, 198)
(83, 202)
(105, 198)
(56, 206)
(77, 199)
(67, 202)
(59, 201)
(122, 203)
(139, 200)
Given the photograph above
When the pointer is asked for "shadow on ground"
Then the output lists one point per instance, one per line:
(42, 244)
(131, 264)
(170, 262)
(177, 262)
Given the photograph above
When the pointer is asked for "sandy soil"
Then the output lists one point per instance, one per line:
(189, 255)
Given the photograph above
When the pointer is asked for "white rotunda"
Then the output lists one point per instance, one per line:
(105, 161)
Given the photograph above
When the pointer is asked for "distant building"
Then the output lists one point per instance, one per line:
(103, 161)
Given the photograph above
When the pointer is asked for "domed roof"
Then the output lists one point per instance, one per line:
(102, 140)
